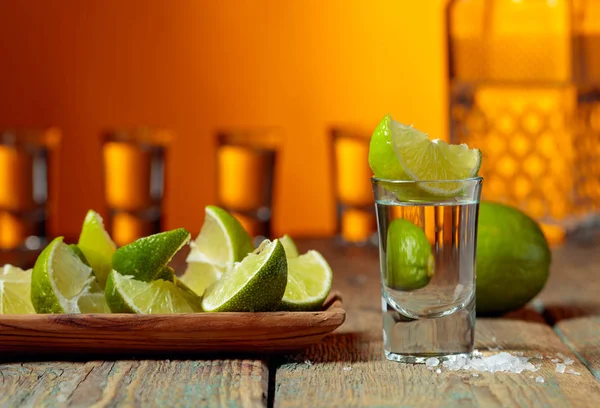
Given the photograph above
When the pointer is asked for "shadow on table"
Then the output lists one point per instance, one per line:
(555, 313)
(341, 347)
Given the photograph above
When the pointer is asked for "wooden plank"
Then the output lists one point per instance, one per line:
(574, 283)
(582, 335)
(348, 368)
(146, 383)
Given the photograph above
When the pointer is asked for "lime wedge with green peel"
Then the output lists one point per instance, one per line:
(409, 260)
(309, 282)
(200, 275)
(289, 246)
(166, 273)
(93, 303)
(59, 279)
(146, 258)
(77, 251)
(97, 246)
(124, 294)
(222, 239)
(15, 291)
(256, 284)
(425, 160)
(382, 156)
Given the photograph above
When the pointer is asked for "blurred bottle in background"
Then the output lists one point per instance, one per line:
(356, 222)
(525, 89)
(24, 194)
(134, 181)
(246, 165)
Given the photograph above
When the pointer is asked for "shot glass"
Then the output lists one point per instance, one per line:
(356, 223)
(246, 165)
(427, 240)
(24, 192)
(134, 181)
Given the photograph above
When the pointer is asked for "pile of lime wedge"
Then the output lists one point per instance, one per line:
(224, 273)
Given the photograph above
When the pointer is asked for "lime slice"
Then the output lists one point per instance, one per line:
(409, 260)
(256, 284)
(146, 258)
(289, 246)
(309, 282)
(124, 294)
(77, 251)
(15, 291)
(425, 159)
(382, 156)
(222, 239)
(59, 279)
(200, 275)
(97, 246)
(93, 303)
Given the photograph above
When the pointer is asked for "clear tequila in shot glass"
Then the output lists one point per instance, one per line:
(427, 245)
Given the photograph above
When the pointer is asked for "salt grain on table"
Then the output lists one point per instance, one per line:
(568, 361)
(560, 368)
(501, 362)
(555, 360)
(539, 379)
(570, 371)
(438, 371)
(432, 362)
(347, 368)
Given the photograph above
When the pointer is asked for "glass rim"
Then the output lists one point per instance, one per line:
(143, 135)
(38, 137)
(465, 180)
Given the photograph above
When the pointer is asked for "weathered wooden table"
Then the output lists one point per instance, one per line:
(347, 368)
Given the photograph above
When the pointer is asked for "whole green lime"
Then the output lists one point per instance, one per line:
(513, 259)
(409, 260)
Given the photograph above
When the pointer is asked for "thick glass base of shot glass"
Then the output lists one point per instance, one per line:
(410, 340)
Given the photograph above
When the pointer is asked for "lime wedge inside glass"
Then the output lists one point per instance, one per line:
(256, 284)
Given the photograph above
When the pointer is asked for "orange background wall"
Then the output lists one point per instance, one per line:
(195, 66)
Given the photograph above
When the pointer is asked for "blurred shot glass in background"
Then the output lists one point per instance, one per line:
(24, 202)
(246, 165)
(134, 181)
(356, 223)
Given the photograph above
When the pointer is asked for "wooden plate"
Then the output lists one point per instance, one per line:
(122, 334)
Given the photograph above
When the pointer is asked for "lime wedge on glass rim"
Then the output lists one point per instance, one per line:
(425, 160)
(256, 284)
(309, 282)
(15, 291)
(417, 158)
